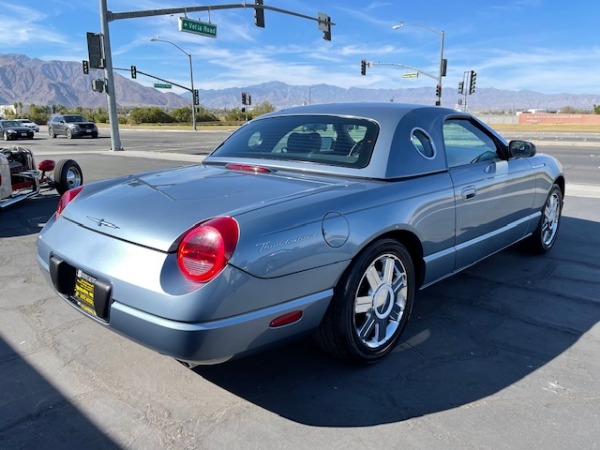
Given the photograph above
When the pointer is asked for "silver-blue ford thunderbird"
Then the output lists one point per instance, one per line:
(323, 219)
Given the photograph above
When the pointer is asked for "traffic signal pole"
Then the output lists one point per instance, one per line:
(115, 138)
(323, 21)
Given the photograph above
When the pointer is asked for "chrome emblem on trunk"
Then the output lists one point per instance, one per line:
(103, 223)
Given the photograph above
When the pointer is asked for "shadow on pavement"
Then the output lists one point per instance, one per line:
(28, 216)
(470, 336)
(33, 414)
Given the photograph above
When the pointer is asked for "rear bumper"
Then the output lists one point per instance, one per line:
(220, 340)
(207, 342)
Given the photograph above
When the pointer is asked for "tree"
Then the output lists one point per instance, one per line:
(204, 115)
(235, 115)
(596, 109)
(182, 115)
(264, 108)
(38, 114)
(149, 115)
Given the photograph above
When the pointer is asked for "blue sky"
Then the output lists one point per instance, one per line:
(549, 46)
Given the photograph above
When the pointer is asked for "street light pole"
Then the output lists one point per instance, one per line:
(442, 61)
(189, 55)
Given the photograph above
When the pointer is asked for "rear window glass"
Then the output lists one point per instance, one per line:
(320, 139)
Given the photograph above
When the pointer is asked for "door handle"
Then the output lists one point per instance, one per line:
(469, 192)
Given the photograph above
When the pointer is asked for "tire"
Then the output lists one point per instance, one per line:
(67, 175)
(6, 137)
(69, 133)
(94, 135)
(545, 235)
(51, 132)
(371, 304)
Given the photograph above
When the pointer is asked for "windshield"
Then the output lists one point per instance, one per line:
(10, 123)
(70, 119)
(321, 139)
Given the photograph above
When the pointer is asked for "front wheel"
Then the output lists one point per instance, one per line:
(546, 232)
(67, 175)
(371, 304)
(51, 132)
(69, 133)
(6, 136)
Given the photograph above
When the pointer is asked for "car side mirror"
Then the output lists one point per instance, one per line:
(521, 149)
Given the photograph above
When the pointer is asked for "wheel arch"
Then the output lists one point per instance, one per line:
(560, 181)
(412, 243)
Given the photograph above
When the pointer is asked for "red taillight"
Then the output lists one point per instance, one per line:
(206, 249)
(66, 199)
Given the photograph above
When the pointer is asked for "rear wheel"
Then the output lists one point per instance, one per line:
(371, 304)
(546, 232)
(67, 175)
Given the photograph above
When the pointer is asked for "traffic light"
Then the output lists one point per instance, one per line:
(325, 25)
(133, 72)
(196, 97)
(461, 87)
(438, 91)
(99, 85)
(443, 67)
(259, 14)
(95, 43)
(472, 81)
(363, 67)
(249, 99)
(243, 98)
(86, 66)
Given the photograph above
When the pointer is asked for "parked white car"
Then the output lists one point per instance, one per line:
(29, 124)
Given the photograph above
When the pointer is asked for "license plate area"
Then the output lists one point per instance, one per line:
(85, 291)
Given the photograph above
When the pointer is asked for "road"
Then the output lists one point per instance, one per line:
(505, 355)
(579, 154)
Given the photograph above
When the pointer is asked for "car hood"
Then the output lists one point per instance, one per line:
(156, 209)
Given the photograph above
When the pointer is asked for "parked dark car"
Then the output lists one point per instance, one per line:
(11, 129)
(323, 219)
(71, 125)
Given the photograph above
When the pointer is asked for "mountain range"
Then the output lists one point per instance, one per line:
(34, 81)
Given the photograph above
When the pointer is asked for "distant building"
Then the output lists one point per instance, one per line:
(10, 109)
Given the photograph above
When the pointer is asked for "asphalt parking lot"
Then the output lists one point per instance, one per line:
(505, 355)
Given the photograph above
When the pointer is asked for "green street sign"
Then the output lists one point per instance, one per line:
(197, 27)
(163, 85)
(410, 75)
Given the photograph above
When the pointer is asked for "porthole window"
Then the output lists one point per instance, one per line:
(422, 143)
(255, 140)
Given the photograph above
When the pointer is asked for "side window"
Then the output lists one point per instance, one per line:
(422, 143)
(465, 143)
